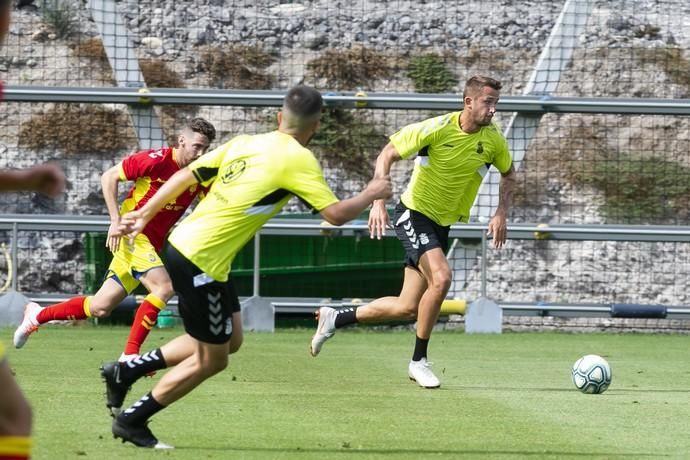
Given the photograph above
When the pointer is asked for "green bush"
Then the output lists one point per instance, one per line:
(60, 16)
(349, 69)
(236, 67)
(429, 74)
(348, 140)
(641, 190)
(78, 128)
(670, 60)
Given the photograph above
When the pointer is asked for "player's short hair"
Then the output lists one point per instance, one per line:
(201, 126)
(475, 84)
(304, 103)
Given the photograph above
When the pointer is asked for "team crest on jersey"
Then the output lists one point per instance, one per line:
(233, 171)
(480, 148)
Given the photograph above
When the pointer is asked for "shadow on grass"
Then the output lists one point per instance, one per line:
(564, 390)
(422, 453)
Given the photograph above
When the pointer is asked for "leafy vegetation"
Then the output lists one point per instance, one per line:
(236, 67)
(669, 60)
(430, 74)
(78, 128)
(635, 188)
(60, 17)
(349, 141)
(641, 190)
(158, 74)
(349, 69)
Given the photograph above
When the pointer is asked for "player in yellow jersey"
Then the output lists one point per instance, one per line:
(252, 178)
(15, 410)
(452, 153)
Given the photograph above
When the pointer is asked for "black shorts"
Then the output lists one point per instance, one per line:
(206, 305)
(418, 234)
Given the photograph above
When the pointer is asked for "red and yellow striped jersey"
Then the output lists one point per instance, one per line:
(150, 169)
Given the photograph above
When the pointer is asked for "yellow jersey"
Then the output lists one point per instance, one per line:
(252, 178)
(450, 165)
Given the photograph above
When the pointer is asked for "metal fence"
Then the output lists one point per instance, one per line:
(295, 272)
(618, 45)
(594, 99)
(595, 105)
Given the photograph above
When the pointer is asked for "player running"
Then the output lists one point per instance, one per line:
(135, 261)
(252, 178)
(452, 153)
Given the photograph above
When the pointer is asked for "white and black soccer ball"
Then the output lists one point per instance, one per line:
(591, 374)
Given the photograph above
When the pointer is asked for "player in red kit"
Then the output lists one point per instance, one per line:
(136, 261)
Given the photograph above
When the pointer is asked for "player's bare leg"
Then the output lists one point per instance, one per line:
(103, 302)
(158, 283)
(100, 305)
(434, 267)
(206, 361)
(119, 376)
(402, 307)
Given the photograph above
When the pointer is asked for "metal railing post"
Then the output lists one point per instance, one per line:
(15, 232)
(483, 286)
(257, 264)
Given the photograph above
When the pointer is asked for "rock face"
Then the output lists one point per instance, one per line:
(629, 49)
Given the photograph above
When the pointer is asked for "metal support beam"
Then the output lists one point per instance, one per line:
(526, 104)
(313, 227)
(125, 64)
(523, 126)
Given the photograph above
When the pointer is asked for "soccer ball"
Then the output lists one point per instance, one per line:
(591, 374)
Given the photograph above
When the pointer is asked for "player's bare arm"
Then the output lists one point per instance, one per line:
(379, 188)
(378, 216)
(47, 179)
(497, 226)
(132, 223)
(109, 181)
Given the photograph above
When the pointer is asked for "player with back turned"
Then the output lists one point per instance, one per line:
(251, 178)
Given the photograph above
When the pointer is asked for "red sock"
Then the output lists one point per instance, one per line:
(69, 309)
(144, 320)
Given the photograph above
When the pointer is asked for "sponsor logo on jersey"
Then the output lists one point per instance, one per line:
(233, 171)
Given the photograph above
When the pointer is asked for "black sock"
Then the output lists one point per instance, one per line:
(139, 412)
(138, 367)
(345, 317)
(420, 347)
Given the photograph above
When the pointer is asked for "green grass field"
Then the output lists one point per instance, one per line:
(503, 396)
